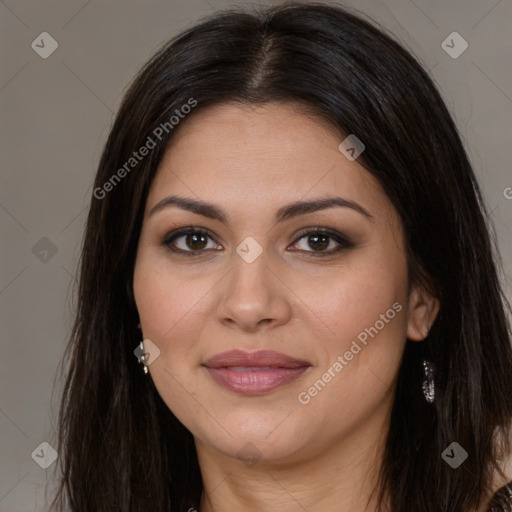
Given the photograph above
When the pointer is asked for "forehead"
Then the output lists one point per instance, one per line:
(271, 130)
(265, 155)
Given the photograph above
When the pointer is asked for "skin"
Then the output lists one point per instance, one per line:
(250, 161)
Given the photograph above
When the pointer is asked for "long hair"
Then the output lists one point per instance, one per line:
(121, 448)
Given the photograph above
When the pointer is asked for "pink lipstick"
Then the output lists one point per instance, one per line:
(254, 373)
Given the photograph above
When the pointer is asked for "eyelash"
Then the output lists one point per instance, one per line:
(343, 241)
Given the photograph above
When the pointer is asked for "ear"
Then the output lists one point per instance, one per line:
(422, 311)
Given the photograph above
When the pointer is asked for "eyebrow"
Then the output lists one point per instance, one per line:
(284, 213)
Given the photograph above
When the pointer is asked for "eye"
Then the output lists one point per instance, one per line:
(317, 241)
(321, 239)
(190, 240)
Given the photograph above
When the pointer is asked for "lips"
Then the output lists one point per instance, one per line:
(253, 373)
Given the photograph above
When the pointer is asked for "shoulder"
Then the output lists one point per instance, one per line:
(502, 499)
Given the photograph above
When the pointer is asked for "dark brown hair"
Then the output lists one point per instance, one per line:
(121, 448)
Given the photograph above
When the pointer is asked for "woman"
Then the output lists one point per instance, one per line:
(285, 215)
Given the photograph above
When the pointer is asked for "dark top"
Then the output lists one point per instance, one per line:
(502, 500)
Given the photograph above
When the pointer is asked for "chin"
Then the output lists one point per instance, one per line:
(266, 438)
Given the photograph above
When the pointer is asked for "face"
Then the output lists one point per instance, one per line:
(239, 265)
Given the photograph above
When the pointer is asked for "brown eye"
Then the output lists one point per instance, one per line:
(196, 241)
(189, 240)
(320, 240)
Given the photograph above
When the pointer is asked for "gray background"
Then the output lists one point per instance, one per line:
(56, 113)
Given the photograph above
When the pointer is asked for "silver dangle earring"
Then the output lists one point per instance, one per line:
(139, 352)
(428, 387)
(142, 356)
(428, 381)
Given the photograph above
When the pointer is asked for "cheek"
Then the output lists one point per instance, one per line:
(353, 297)
(168, 307)
(164, 298)
(364, 310)
(166, 304)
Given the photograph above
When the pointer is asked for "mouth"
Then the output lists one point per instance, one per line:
(254, 373)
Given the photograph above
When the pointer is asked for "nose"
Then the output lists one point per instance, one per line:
(253, 297)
